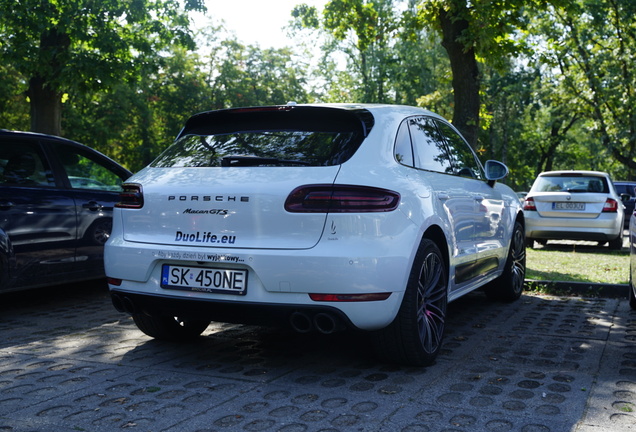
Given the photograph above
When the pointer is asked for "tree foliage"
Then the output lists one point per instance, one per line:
(591, 45)
(248, 76)
(550, 84)
(60, 46)
(386, 61)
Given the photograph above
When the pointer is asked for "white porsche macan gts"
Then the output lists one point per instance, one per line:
(321, 217)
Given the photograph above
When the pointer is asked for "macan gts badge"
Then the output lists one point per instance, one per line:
(320, 217)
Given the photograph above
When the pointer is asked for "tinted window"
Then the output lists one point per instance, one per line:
(571, 184)
(403, 149)
(22, 164)
(302, 136)
(464, 160)
(84, 171)
(429, 150)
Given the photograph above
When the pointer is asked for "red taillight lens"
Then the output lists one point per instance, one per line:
(610, 206)
(131, 197)
(528, 204)
(114, 281)
(349, 297)
(341, 199)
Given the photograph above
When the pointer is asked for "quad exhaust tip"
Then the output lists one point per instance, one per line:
(322, 322)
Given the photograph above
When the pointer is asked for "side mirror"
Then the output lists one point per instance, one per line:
(625, 197)
(495, 170)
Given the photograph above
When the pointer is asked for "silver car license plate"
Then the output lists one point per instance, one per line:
(204, 279)
(568, 206)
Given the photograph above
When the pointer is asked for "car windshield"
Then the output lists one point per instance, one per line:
(267, 137)
(571, 184)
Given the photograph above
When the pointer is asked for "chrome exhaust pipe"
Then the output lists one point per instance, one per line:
(129, 306)
(326, 323)
(300, 322)
(117, 302)
(123, 304)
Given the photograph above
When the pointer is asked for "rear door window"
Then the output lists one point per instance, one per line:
(22, 164)
(85, 171)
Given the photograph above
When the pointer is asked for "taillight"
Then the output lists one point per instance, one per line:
(131, 197)
(350, 297)
(610, 206)
(114, 281)
(341, 199)
(528, 204)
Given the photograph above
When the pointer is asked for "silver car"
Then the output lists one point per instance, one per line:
(574, 205)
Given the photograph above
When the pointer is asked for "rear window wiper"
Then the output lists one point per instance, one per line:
(230, 161)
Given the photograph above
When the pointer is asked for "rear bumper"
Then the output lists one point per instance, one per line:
(570, 235)
(279, 282)
(604, 228)
(302, 318)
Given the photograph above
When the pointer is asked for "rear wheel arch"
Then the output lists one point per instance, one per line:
(509, 285)
(435, 234)
(99, 231)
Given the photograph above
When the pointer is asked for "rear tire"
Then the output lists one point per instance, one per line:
(509, 286)
(617, 243)
(415, 335)
(170, 328)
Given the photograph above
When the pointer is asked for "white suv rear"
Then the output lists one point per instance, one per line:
(322, 217)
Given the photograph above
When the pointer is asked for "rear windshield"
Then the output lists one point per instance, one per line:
(272, 136)
(571, 184)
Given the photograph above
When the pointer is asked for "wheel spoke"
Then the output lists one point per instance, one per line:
(518, 260)
(431, 300)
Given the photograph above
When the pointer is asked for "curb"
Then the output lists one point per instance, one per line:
(581, 289)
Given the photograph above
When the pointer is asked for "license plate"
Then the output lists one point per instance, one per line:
(204, 279)
(568, 206)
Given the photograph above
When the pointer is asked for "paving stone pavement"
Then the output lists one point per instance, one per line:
(70, 362)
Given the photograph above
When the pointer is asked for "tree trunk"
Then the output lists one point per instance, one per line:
(45, 97)
(46, 107)
(465, 76)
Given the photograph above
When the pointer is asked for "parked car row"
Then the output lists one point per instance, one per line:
(318, 217)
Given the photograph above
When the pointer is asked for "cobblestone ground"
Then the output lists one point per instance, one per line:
(70, 362)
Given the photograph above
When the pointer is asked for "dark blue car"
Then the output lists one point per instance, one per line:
(627, 191)
(56, 201)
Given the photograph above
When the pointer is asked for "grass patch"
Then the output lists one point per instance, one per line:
(577, 263)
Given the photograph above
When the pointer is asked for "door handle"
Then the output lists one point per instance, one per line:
(443, 196)
(93, 206)
(6, 205)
